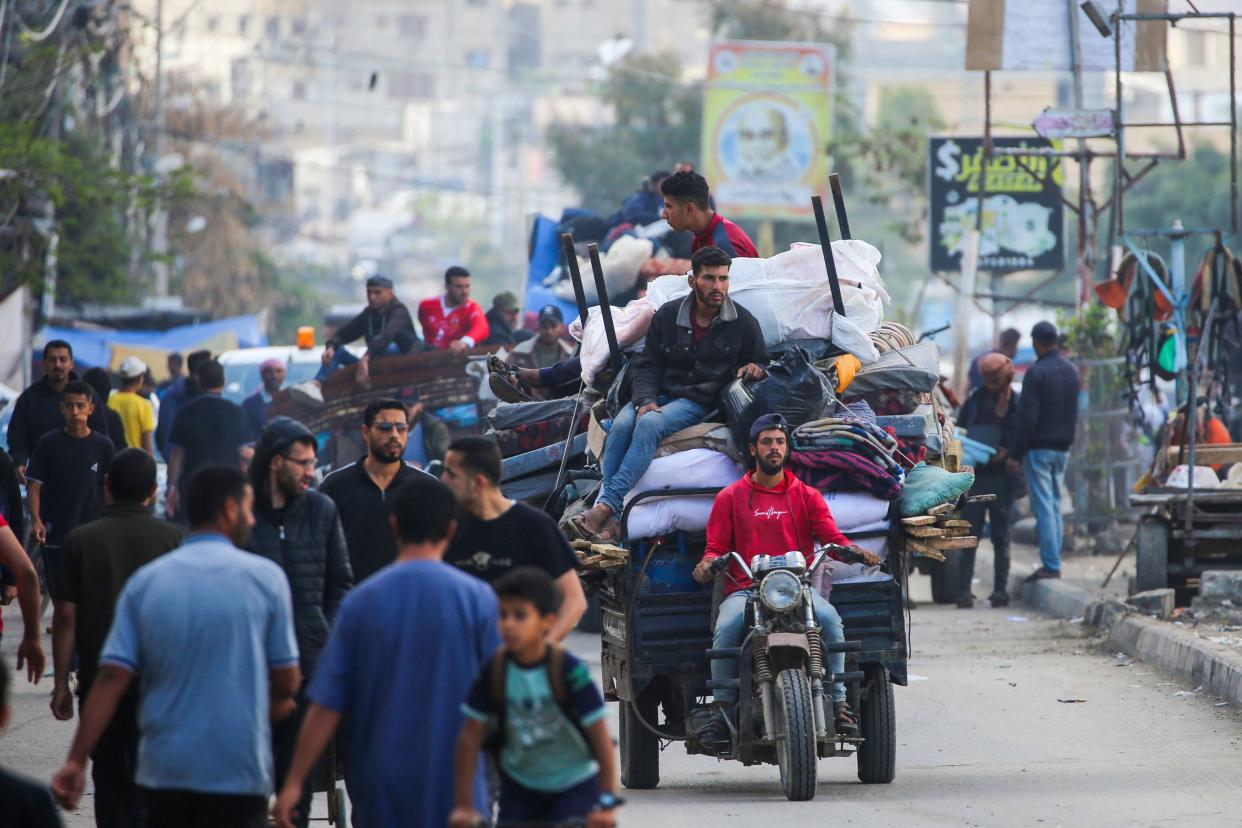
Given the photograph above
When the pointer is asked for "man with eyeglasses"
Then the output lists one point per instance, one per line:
(298, 529)
(362, 489)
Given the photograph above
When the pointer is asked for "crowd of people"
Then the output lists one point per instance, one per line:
(217, 657)
(274, 627)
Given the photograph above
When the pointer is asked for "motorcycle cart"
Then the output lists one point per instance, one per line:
(656, 650)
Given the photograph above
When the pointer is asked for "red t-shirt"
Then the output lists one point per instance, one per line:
(442, 327)
(751, 520)
(727, 236)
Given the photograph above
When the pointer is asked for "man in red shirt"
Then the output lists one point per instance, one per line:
(771, 512)
(687, 206)
(453, 321)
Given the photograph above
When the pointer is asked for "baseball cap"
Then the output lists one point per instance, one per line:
(282, 432)
(506, 301)
(379, 281)
(551, 312)
(132, 367)
(767, 422)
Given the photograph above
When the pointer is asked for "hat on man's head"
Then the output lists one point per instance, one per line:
(271, 362)
(379, 281)
(132, 367)
(551, 312)
(281, 432)
(768, 422)
(506, 302)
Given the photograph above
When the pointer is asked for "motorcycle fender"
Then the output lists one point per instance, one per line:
(777, 641)
(788, 650)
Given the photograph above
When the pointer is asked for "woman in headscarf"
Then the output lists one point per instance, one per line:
(990, 415)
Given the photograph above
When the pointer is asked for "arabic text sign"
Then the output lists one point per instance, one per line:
(1023, 217)
(1074, 123)
(766, 120)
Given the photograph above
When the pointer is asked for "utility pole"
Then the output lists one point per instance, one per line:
(1086, 204)
(970, 255)
(159, 234)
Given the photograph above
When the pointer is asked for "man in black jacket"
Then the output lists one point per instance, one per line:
(1048, 414)
(37, 410)
(386, 325)
(694, 348)
(298, 529)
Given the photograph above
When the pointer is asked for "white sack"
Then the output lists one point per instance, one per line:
(620, 265)
(662, 515)
(693, 469)
(852, 510)
(630, 323)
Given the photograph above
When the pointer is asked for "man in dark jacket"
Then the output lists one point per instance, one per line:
(99, 558)
(694, 348)
(298, 529)
(37, 410)
(990, 416)
(386, 325)
(502, 320)
(1048, 415)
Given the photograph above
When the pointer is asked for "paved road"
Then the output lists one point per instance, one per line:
(983, 741)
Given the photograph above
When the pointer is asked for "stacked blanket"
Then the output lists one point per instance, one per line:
(847, 454)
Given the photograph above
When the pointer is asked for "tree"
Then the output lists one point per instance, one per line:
(656, 122)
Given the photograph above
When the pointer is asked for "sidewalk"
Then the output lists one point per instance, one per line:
(1209, 655)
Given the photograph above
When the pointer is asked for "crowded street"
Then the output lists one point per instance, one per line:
(554, 414)
(983, 736)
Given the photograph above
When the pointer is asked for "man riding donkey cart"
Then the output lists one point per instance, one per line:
(694, 348)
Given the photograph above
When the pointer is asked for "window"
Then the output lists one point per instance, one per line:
(477, 58)
(410, 86)
(272, 29)
(298, 93)
(213, 23)
(243, 23)
(412, 26)
(298, 27)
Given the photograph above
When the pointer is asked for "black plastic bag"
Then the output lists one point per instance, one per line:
(793, 388)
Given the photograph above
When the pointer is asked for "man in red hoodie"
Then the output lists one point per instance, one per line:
(454, 320)
(771, 512)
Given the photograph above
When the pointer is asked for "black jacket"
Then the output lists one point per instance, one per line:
(500, 331)
(1048, 412)
(670, 365)
(306, 540)
(37, 411)
(392, 325)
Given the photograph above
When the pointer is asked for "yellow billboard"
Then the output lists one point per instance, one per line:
(767, 114)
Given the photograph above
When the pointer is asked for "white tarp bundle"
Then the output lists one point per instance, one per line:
(694, 468)
(788, 294)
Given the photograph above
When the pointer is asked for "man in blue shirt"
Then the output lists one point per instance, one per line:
(404, 651)
(207, 631)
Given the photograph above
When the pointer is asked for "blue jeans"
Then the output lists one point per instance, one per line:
(1045, 477)
(729, 633)
(342, 358)
(633, 441)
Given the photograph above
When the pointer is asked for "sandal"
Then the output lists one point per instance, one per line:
(846, 724)
(610, 532)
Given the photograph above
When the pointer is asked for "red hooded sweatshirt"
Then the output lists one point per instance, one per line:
(751, 520)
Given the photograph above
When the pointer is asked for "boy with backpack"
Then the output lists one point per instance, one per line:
(535, 707)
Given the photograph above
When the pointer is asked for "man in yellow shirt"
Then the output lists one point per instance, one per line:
(136, 412)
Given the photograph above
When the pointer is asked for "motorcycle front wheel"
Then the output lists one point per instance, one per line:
(795, 724)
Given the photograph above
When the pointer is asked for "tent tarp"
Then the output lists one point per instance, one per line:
(106, 348)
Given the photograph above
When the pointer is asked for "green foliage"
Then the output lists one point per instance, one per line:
(74, 181)
(892, 158)
(1195, 190)
(657, 123)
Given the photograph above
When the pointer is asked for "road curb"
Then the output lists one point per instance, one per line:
(1176, 649)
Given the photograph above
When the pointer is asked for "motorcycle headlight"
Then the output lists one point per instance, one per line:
(780, 591)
